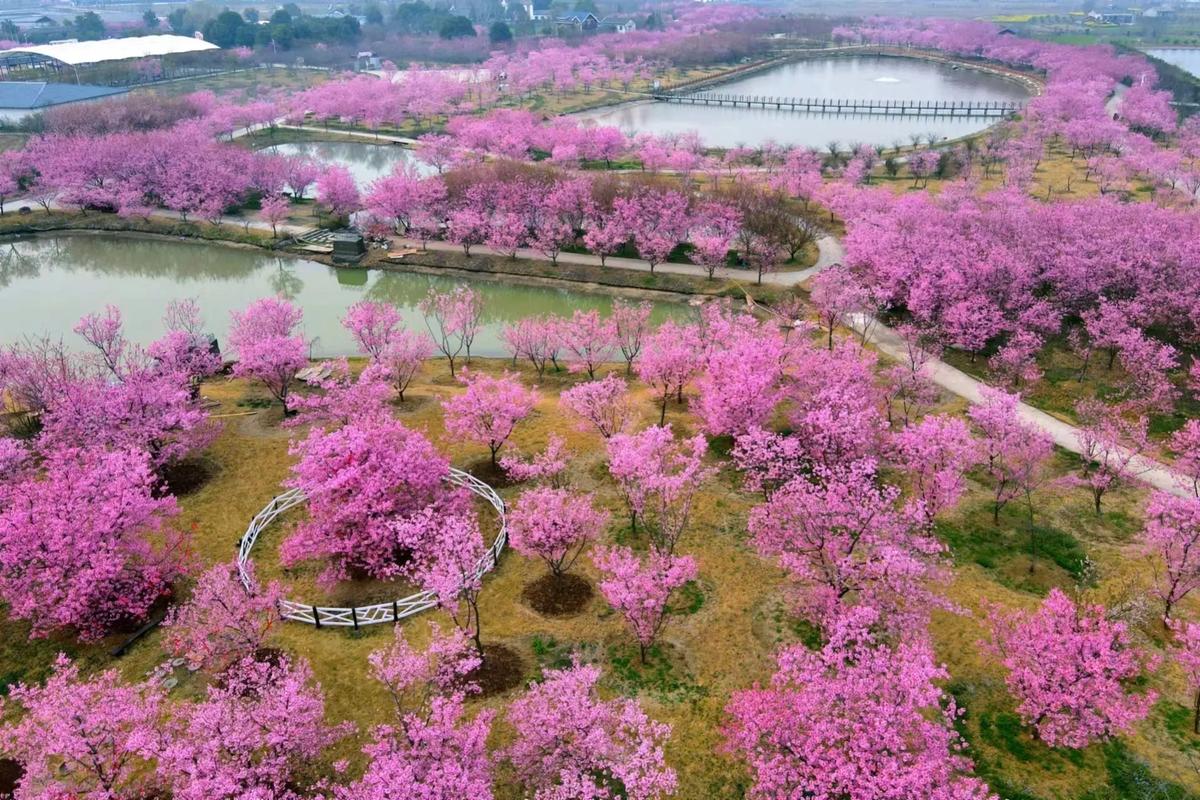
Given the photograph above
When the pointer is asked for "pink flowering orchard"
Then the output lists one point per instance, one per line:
(900, 427)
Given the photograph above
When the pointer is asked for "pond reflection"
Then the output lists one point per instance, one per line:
(48, 283)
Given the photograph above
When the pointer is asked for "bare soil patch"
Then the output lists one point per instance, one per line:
(558, 595)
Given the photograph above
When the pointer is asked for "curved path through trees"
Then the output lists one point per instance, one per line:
(883, 338)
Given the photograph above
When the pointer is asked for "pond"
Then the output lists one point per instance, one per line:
(857, 78)
(1186, 58)
(48, 283)
(366, 162)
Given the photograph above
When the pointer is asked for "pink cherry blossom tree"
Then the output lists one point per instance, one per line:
(360, 480)
(843, 542)
(299, 174)
(769, 460)
(1185, 444)
(1071, 670)
(403, 356)
(256, 733)
(275, 209)
(376, 329)
(1110, 446)
(78, 543)
(117, 394)
(554, 525)
(1171, 538)
(548, 466)
(453, 320)
(414, 677)
(659, 477)
(489, 410)
(1014, 452)
(589, 341)
(439, 756)
(570, 743)
(631, 325)
(268, 346)
(668, 362)
(448, 565)
(606, 235)
(604, 403)
(337, 191)
(432, 751)
(640, 588)
(534, 338)
(222, 622)
(372, 324)
(343, 399)
(745, 377)
(81, 738)
(935, 454)
(657, 220)
(860, 717)
(1187, 653)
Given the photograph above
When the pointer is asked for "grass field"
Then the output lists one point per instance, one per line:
(724, 628)
(250, 84)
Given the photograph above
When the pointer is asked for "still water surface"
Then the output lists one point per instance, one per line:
(47, 284)
(366, 162)
(858, 78)
(1187, 58)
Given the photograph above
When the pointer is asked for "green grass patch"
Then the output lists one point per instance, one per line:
(1011, 543)
(660, 677)
(1004, 731)
(688, 600)
(1130, 778)
(1177, 720)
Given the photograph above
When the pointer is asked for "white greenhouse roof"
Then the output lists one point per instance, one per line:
(78, 53)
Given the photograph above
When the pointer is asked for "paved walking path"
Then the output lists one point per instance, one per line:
(829, 252)
(884, 339)
(957, 382)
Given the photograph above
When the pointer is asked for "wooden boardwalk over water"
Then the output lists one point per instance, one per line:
(838, 105)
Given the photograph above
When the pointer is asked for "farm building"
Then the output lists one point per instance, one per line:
(73, 58)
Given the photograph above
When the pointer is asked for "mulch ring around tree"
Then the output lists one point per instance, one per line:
(10, 774)
(501, 670)
(558, 595)
(186, 476)
(491, 474)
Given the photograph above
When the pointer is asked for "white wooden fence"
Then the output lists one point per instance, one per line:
(356, 616)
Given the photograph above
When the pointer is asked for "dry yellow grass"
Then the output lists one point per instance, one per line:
(725, 644)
